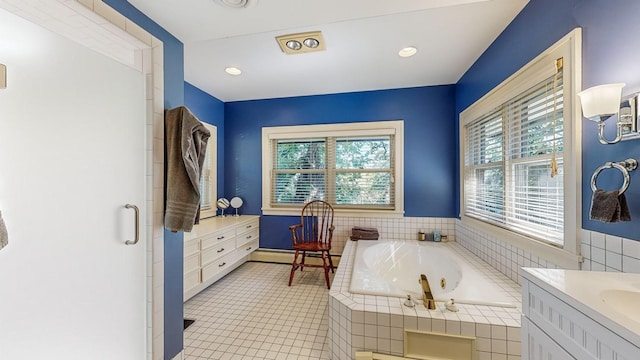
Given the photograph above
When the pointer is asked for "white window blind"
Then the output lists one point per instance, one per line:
(508, 159)
(208, 178)
(206, 184)
(348, 171)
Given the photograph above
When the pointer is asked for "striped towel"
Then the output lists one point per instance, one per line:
(186, 143)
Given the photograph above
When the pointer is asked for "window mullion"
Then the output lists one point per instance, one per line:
(506, 163)
(330, 176)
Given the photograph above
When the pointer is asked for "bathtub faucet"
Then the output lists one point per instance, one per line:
(427, 297)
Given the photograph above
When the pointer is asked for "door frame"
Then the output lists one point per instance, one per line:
(138, 49)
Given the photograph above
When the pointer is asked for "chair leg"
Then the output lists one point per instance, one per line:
(331, 263)
(325, 265)
(304, 255)
(294, 265)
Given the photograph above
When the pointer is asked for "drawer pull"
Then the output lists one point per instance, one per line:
(249, 237)
(249, 248)
(249, 226)
(223, 264)
(220, 237)
(221, 250)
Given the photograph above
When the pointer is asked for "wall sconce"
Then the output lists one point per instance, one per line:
(3, 76)
(601, 102)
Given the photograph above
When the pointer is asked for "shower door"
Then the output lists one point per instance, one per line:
(72, 155)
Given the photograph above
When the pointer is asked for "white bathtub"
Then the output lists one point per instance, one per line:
(392, 268)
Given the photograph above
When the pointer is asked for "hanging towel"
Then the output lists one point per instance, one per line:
(609, 206)
(4, 237)
(186, 143)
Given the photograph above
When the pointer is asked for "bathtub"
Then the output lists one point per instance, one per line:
(392, 268)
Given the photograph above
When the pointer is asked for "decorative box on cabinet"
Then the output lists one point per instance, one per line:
(215, 247)
(565, 317)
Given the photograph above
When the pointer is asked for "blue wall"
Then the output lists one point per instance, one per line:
(173, 242)
(610, 30)
(429, 137)
(210, 110)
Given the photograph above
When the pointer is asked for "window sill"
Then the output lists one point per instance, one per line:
(338, 212)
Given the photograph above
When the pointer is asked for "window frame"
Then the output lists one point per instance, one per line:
(570, 49)
(334, 130)
(212, 151)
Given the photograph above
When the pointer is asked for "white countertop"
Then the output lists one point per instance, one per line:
(585, 290)
(212, 224)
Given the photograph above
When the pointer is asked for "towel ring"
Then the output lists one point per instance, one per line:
(623, 166)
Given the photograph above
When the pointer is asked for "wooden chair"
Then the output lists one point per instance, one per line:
(313, 235)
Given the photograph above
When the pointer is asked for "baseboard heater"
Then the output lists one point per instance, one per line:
(285, 257)
(364, 355)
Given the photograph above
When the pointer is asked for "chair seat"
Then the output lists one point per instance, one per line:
(312, 247)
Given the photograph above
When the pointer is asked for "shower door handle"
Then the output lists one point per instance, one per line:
(137, 224)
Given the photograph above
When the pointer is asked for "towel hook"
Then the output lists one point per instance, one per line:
(623, 166)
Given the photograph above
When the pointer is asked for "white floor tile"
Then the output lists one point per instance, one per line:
(252, 314)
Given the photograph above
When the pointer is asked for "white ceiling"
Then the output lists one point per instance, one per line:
(362, 39)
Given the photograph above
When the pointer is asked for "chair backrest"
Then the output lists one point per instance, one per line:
(317, 222)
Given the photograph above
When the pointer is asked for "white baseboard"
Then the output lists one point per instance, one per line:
(285, 257)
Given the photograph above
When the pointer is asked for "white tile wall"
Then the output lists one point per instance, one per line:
(97, 26)
(406, 228)
(504, 257)
(601, 252)
(604, 252)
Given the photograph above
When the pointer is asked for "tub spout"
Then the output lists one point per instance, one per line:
(427, 297)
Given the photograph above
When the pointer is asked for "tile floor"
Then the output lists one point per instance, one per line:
(252, 314)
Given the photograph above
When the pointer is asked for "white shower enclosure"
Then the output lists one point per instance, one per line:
(72, 155)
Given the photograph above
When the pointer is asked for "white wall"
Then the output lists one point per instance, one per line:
(56, 90)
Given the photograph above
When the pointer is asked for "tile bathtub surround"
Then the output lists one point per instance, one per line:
(405, 228)
(252, 314)
(601, 252)
(376, 323)
(502, 256)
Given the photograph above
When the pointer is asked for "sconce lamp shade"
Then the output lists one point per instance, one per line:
(601, 102)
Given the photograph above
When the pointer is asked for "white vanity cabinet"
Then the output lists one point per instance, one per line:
(215, 247)
(569, 314)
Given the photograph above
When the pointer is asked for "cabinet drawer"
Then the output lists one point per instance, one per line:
(192, 262)
(216, 238)
(220, 249)
(191, 279)
(247, 248)
(217, 266)
(247, 237)
(248, 226)
(191, 246)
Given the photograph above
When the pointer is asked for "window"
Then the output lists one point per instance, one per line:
(208, 178)
(507, 163)
(519, 157)
(356, 167)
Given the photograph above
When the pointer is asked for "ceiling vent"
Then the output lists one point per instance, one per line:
(301, 42)
(236, 4)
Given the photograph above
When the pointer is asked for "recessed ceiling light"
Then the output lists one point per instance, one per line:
(311, 43)
(408, 51)
(233, 71)
(294, 45)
